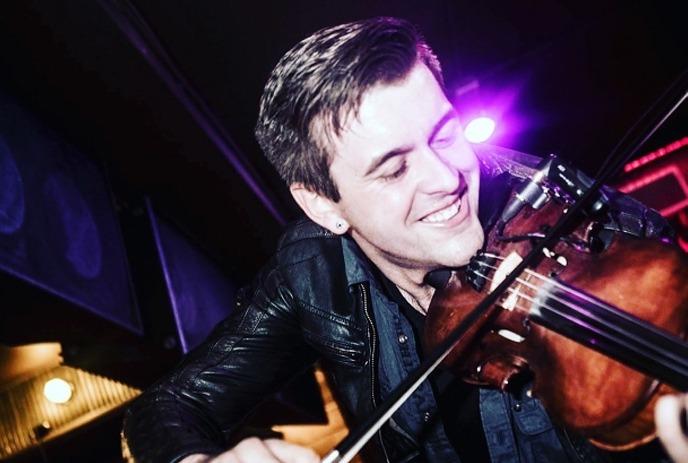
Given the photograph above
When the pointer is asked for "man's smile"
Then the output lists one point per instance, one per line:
(444, 214)
(450, 211)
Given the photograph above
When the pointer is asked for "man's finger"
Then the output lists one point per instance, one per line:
(291, 453)
(668, 421)
(253, 450)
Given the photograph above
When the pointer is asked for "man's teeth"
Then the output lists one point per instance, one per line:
(445, 214)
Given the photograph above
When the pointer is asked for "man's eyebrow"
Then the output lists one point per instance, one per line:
(448, 116)
(385, 157)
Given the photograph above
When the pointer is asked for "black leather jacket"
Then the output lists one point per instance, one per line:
(300, 308)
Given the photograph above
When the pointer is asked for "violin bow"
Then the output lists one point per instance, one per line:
(630, 144)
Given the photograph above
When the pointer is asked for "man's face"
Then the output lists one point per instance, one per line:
(408, 180)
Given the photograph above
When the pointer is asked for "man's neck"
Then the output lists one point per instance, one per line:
(419, 301)
(410, 282)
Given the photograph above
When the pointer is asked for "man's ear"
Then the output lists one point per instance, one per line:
(320, 209)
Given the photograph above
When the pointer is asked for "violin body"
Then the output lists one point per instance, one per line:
(573, 374)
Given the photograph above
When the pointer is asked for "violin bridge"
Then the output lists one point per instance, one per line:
(506, 267)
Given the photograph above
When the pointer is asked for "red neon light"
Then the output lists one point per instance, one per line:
(663, 151)
(683, 244)
(653, 177)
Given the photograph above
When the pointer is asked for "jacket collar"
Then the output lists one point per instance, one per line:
(357, 266)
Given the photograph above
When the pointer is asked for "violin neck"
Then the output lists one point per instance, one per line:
(612, 332)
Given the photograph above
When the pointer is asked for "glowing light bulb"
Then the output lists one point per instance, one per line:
(479, 129)
(57, 390)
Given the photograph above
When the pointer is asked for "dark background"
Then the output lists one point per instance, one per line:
(563, 77)
(578, 75)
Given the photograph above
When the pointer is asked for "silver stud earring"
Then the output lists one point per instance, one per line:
(339, 225)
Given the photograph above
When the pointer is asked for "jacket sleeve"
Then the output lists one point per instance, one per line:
(246, 357)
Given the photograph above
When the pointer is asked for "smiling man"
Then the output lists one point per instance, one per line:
(407, 182)
(356, 121)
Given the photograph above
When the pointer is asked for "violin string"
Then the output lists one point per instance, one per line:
(590, 316)
(551, 281)
(495, 256)
(676, 359)
(513, 291)
(664, 375)
(676, 356)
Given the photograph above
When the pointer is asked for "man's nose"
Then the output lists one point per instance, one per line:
(439, 174)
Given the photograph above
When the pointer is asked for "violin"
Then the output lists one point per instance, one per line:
(595, 328)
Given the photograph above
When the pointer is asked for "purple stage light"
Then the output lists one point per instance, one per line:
(479, 129)
(491, 105)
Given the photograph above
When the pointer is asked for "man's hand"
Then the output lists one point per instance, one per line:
(254, 450)
(669, 412)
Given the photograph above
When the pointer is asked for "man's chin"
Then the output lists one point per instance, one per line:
(466, 250)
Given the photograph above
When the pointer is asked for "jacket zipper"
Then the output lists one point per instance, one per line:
(372, 337)
(575, 447)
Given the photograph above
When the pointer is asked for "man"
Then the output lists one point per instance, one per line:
(356, 121)
(670, 417)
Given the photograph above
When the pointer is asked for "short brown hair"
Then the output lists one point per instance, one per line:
(321, 80)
